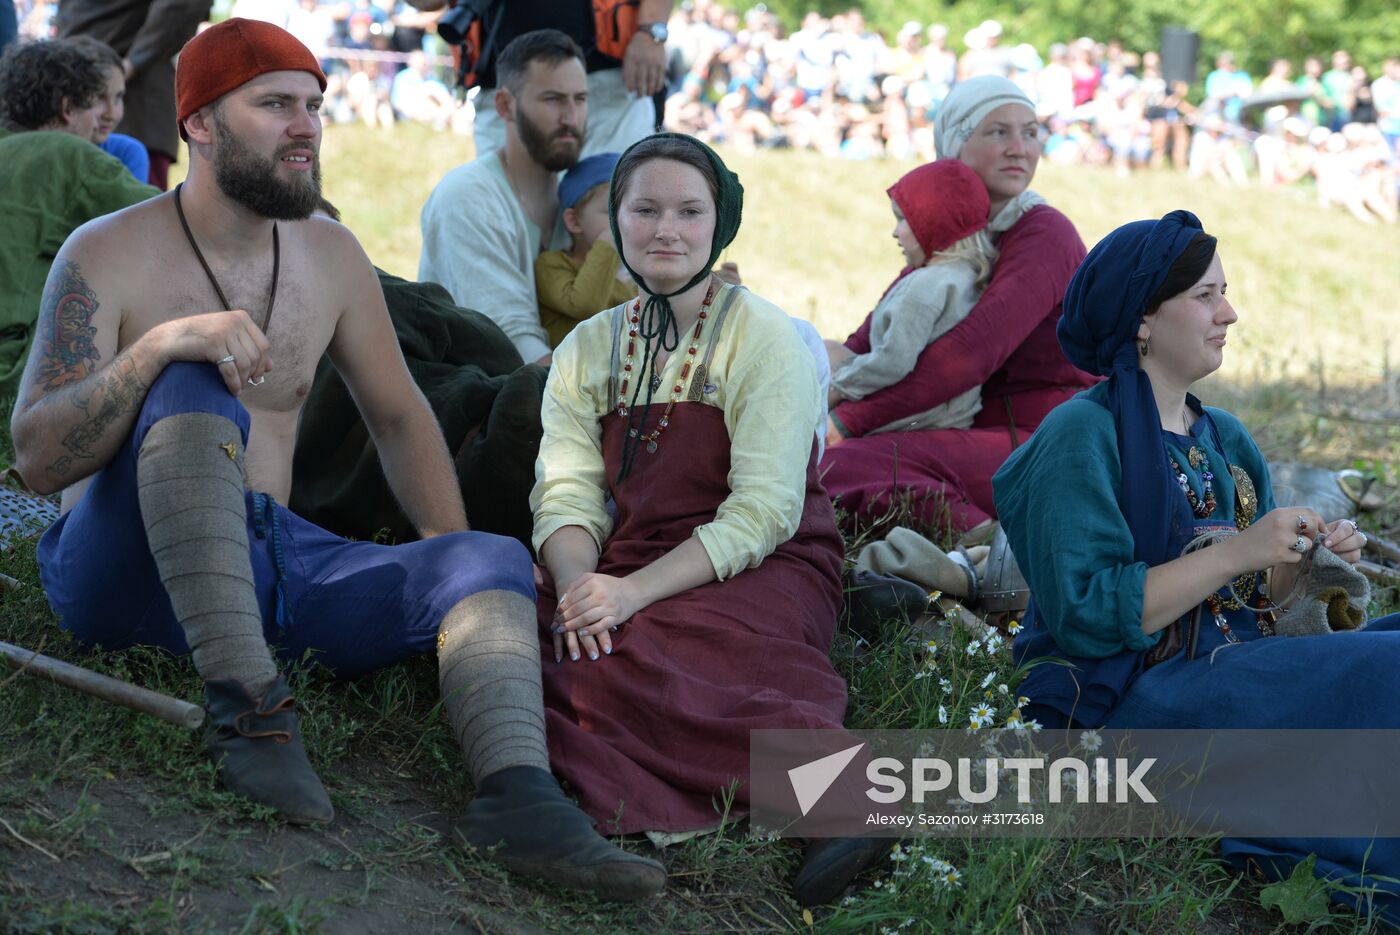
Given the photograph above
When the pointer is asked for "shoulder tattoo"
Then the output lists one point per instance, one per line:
(65, 346)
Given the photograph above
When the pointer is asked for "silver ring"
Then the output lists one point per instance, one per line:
(226, 360)
(1302, 523)
(1300, 545)
(258, 381)
(1364, 540)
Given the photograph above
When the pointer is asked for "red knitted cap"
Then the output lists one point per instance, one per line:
(943, 202)
(231, 54)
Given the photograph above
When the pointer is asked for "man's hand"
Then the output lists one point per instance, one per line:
(228, 339)
(644, 65)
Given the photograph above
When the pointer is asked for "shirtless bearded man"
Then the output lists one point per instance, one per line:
(170, 431)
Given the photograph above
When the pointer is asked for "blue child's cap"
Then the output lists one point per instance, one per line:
(578, 181)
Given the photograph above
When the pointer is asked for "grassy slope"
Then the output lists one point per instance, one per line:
(144, 840)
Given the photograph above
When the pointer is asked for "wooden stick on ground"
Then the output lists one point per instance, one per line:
(180, 713)
(1378, 573)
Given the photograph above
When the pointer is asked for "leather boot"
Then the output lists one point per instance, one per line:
(830, 865)
(876, 599)
(522, 820)
(256, 745)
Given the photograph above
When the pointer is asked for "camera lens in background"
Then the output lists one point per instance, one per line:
(454, 24)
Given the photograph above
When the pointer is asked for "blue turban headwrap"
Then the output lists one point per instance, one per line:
(1103, 307)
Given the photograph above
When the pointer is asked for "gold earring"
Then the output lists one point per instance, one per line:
(1145, 346)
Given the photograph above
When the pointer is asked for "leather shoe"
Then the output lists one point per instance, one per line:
(873, 599)
(522, 819)
(831, 864)
(256, 745)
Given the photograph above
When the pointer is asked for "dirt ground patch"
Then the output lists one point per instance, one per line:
(118, 854)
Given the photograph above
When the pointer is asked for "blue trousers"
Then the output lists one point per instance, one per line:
(356, 606)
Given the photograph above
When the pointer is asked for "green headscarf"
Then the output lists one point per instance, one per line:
(657, 322)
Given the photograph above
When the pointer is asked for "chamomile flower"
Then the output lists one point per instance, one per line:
(942, 715)
(984, 713)
(1014, 627)
(1090, 741)
(952, 877)
(945, 686)
(994, 643)
(972, 647)
(989, 679)
(928, 670)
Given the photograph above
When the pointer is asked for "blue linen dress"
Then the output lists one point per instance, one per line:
(1058, 501)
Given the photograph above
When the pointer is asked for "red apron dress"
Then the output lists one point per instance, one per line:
(652, 737)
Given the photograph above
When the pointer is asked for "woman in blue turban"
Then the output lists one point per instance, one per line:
(1101, 505)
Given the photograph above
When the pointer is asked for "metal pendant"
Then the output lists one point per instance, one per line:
(651, 447)
(656, 383)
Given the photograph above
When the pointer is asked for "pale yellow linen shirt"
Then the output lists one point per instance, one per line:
(766, 386)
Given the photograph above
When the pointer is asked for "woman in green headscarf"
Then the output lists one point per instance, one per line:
(705, 598)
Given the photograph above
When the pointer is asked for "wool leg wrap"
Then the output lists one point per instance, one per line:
(489, 673)
(189, 477)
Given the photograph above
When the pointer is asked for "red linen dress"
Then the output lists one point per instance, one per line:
(652, 737)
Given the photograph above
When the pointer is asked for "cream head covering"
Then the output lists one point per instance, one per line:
(967, 105)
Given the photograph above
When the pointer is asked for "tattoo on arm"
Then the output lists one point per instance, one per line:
(118, 391)
(65, 346)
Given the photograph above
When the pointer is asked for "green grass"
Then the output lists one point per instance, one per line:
(142, 839)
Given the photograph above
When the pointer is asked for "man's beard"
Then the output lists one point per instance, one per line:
(251, 179)
(538, 144)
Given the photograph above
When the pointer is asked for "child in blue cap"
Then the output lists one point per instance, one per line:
(587, 278)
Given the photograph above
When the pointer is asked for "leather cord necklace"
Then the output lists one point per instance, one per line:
(276, 262)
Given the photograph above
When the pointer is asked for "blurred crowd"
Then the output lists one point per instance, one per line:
(383, 59)
(842, 89)
(838, 87)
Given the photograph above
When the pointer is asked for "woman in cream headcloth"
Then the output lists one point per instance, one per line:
(1006, 344)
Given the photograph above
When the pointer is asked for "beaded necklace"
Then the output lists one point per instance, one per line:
(654, 436)
(1203, 506)
(1240, 588)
